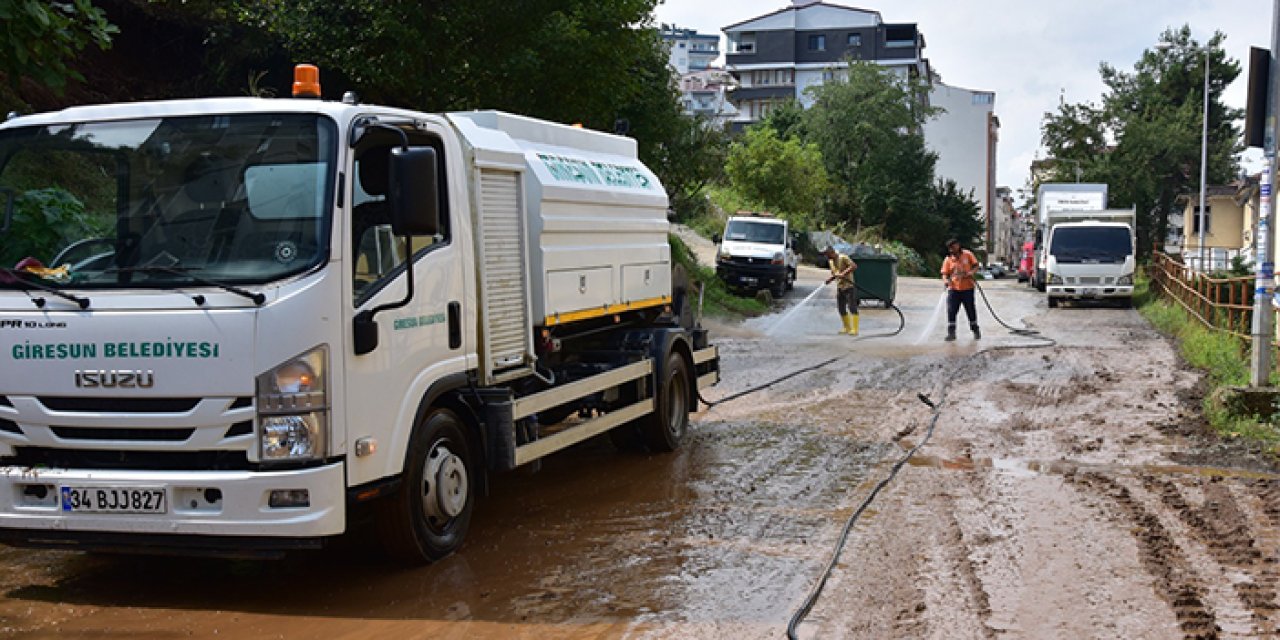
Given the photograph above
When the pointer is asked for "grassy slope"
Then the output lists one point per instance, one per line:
(1222, 357)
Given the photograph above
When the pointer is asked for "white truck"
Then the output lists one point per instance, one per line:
(256, 316)
(1091, 255)
(1055, 197)
(757, 252)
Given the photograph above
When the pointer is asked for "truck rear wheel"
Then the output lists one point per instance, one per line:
(665, 427)
(428, 517)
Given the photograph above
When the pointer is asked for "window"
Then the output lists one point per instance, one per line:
(984, 98)
(1208, 220)
(168, 202)
(818, 43)
(855, 40)
(900, 36)
(378, 256)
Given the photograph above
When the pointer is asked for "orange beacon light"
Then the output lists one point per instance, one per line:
(306, 81)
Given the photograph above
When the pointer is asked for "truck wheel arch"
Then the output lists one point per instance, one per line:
(447, 393)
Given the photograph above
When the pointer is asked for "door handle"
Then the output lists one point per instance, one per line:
(455, 325)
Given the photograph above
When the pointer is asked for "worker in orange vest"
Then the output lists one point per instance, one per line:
(957, 276)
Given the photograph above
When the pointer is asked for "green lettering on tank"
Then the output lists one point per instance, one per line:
(566, 169)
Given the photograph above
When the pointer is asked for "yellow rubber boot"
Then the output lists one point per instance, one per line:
(853, 324)
(848, 324)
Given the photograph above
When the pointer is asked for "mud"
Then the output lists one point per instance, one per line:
(1070, 491)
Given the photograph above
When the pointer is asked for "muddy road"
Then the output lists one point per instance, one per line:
(1066, 491)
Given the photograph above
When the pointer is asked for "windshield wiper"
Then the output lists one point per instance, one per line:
(257, 298)
(21, 277)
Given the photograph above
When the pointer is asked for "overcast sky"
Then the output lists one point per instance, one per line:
(1030, 52)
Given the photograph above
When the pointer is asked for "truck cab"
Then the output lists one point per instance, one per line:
(756, 253)
(1091, 259)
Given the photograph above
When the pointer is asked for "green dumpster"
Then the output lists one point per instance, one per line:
(877, 278)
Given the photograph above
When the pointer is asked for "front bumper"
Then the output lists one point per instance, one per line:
(1096, 292)
(741, 276)
(31, 511)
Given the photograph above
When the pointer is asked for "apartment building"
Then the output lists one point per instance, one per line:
(776, 56)
(690, 50)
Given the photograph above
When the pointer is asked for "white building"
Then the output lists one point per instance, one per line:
(964, 136)
(703, 86)
(690, 50)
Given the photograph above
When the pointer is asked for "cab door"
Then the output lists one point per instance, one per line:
(424, 340)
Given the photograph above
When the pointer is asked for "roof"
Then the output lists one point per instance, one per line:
(800, 7)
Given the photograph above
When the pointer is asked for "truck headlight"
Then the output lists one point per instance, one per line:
(722, 256)
(1055, 278)
(1125, 280)
(293, 409)
(777, 258)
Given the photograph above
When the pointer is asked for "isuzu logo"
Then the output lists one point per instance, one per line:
(115, 379)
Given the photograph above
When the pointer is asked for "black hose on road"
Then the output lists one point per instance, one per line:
(816, 591)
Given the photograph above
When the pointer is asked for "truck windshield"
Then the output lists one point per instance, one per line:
(748, 231)
(167, 201)
(1091, 244)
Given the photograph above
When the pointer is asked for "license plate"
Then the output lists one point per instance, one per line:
(1091, 292)
(112, 500)
(750, 280)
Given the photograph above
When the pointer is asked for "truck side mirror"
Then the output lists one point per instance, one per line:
(414, 191)
(715, 237)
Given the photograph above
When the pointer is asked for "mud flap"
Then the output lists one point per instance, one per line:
(500, 433)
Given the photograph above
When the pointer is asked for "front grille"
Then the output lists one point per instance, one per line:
(240, 429)
(747, 260)
(119, 405)
(9, 426)
(242, 402)
(143, 460)
(122, 435)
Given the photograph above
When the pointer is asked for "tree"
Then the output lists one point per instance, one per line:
(787, 120)
(1153, 116)
(868, 127)
(960, 215)
(783, 175)
(574, 61)
(689, 161)
(42, 39)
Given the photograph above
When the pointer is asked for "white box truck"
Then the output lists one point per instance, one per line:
(236, 320)
(1090, 255)
(1061, 196)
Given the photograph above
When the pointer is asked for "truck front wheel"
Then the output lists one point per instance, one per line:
(665, 427)
(428, 517)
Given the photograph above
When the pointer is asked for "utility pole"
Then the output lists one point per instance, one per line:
(1263, 313)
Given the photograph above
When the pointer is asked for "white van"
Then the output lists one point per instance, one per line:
(757, 253)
